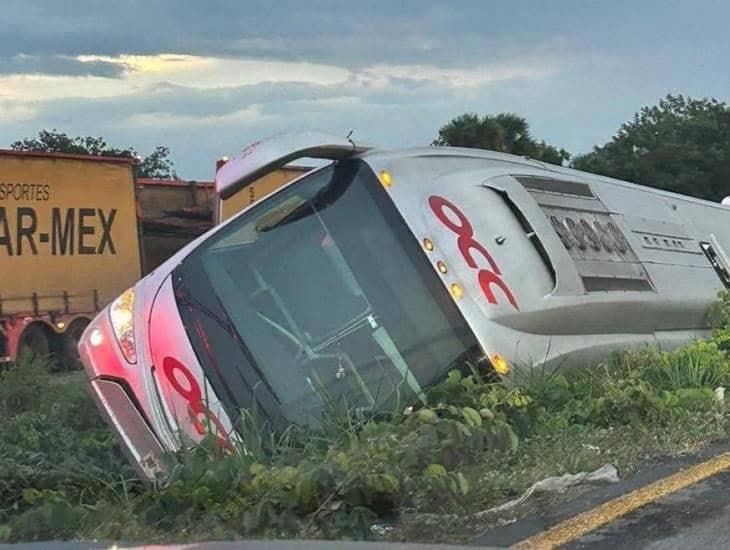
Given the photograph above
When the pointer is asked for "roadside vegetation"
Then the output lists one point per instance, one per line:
(422, 474)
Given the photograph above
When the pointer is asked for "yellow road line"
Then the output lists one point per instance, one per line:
(577, 526)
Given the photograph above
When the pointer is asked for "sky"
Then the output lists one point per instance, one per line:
(205, 78)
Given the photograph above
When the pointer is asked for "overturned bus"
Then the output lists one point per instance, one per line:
(376, 274)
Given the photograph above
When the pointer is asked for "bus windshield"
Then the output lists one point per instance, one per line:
(320, 292)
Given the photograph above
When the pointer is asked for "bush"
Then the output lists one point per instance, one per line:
(55, 452)
(698, 365)
(22, 385)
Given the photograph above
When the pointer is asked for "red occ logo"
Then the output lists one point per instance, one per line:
(202, 418)
(488, 274)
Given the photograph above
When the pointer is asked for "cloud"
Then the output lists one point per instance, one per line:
(206, 77)
(22, 64)
(40, 88)
(13, 112)
(318, 31)
(383, 75)
(246, 115)
(210, 72)
(171, 98)
(145, 74)
(140, 75)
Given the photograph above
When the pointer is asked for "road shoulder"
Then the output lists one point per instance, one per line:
(651, 471)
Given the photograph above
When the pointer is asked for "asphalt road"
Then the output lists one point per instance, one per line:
(697, 517)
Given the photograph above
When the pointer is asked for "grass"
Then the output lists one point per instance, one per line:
(424, 473)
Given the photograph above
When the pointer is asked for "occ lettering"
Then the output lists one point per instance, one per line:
(200, 415)
(488, 274)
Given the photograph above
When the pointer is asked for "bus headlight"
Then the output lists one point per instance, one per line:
(121, 313)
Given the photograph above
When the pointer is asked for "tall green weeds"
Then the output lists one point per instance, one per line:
(475, 443)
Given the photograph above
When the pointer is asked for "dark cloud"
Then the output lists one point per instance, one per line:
(58, 65)
(267, 97)
(453, 33)
(350, 33)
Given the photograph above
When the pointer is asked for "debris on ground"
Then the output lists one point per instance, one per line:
(558, 484)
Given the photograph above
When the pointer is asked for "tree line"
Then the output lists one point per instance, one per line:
(681, 144)
(157, 164)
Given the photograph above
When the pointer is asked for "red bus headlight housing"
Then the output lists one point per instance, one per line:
(121, 314)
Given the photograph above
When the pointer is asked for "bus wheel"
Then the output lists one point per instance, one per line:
(34, 341)
(69, 344)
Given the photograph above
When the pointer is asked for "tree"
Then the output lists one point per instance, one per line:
(156, 165)
(505, 132)
(681, 144)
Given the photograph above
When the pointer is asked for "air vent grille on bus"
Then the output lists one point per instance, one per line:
(555, 186)
(599, 284)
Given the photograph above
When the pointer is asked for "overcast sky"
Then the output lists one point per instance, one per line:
(206, 77)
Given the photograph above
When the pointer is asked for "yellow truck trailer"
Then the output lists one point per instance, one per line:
(69, 244)
(225, 208)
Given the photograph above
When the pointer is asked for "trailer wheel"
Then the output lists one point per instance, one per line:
(69, 344)
(34, 341)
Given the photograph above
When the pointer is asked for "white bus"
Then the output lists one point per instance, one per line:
(375, 275)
